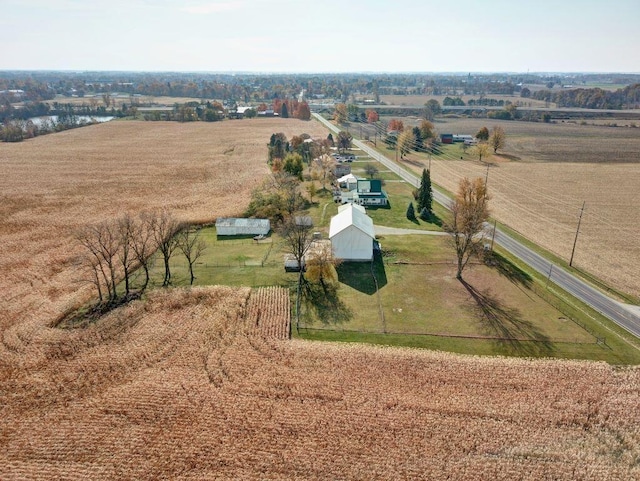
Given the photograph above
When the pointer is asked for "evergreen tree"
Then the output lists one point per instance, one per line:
(425, 194)
(284, 112)
(411, 212)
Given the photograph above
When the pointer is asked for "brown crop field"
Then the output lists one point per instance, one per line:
(54, 184)
(546, 173)
(179, 386)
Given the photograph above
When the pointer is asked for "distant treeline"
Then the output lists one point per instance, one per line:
(254, 88)
(594, 98)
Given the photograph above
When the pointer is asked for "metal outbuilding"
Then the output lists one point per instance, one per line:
(240, 226)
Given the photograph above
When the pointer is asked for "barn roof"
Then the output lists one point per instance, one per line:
(351, 216)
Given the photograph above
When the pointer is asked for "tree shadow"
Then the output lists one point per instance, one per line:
(432, 218)
(357, 275)
(507, 325)
(323, 303)
(508, 269)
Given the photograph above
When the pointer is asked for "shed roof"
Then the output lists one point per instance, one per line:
(241, 222)
(351, 216)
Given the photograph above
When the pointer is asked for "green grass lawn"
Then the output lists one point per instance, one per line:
(497, 310)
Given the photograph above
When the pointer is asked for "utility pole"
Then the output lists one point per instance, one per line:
(577, 231)
(549, 277)
(429, 162)
(493, 237)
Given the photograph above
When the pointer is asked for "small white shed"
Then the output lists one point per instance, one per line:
(352, 234)
(239, 226)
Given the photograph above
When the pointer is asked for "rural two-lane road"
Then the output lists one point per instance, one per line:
(624, 315)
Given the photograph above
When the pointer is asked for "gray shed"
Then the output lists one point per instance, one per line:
(239, 226)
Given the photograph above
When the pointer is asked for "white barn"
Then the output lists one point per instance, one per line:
(239, 226)
(351, 233)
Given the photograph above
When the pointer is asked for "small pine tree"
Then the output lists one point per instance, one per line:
(411, 212)
(425, 214)
(284, 112)
(425, 194)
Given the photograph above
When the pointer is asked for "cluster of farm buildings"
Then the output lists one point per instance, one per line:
(351, 234)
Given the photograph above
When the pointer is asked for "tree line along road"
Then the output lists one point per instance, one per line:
(622, 314)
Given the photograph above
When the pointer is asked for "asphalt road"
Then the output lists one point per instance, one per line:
(624, 315)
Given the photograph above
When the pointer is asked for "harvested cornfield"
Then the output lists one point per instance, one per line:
(178, 387)
(52, 185)
(268, 312)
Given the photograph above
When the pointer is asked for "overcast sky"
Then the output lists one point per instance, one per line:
(322, 35)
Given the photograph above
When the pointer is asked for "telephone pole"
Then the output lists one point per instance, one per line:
(577, 231)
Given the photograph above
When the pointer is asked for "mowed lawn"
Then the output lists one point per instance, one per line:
(413, 300)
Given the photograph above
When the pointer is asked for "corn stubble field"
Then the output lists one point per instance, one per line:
(539, 186)
(199, 383)
(181, 386)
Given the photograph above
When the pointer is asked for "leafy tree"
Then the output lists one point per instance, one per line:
(372, 116)
(278, 146)
(303, 112)
(525, 92)
(353, 112)
(431, 109)
(312, 190)
(340, 113)
(498, 139)
(344, 140)
(427, 130)
(469, 212)
(395, 124)
(293, 165)
(481, 150)
(483, 134)
(250, 113)
(425, 194)
(321, 266)
(406, 142)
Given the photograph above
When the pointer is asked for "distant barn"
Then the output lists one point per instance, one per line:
(238, 226)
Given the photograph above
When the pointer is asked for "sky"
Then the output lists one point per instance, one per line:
(321, 36)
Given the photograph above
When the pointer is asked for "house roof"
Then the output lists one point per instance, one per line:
(348, 178)
(351, 216)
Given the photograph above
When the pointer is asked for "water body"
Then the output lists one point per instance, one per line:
(80, 119)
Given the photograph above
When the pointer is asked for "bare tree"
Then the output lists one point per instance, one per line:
(469, 212)
(297, 235)
(192, 247)
(144, 243)
(165, 228)
(102, 248)
(126, 232)
(324, 165)
(371, 170)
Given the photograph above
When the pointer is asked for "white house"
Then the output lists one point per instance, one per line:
(351, 233)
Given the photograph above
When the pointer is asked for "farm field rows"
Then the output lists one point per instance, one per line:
(541, 192)
(180, 387)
